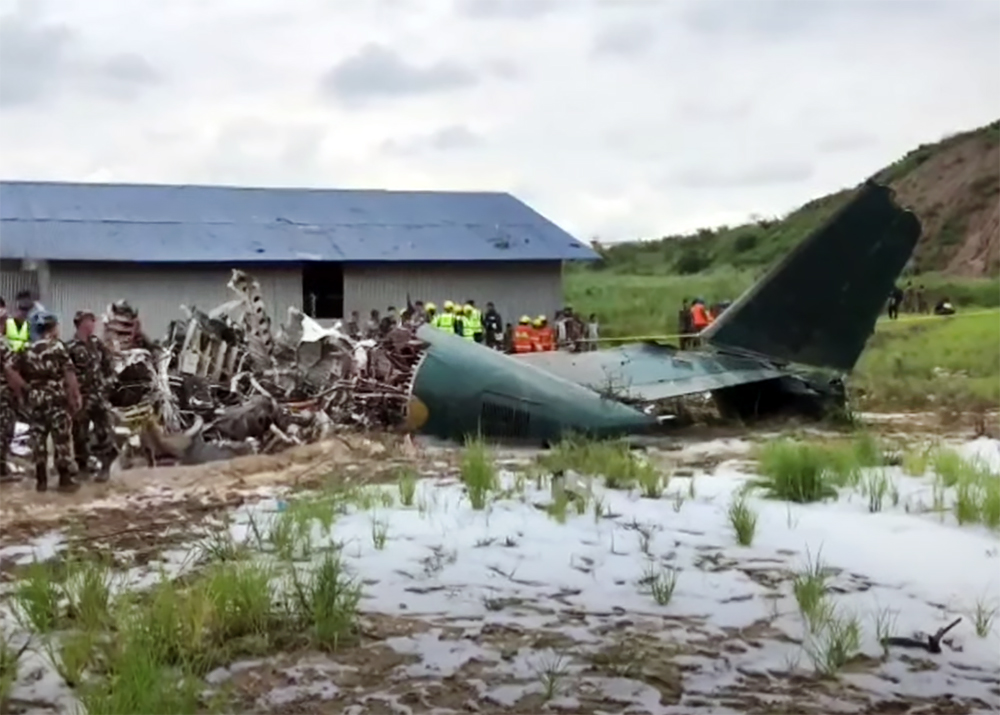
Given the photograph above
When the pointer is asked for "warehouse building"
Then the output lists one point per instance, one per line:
(327, 252)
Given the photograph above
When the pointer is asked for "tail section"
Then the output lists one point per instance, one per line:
(819, 305)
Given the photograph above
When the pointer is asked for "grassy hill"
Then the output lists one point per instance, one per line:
(953, 186)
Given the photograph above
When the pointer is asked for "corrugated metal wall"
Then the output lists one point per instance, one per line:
(516, 288)
(158, 290)
(13, 280)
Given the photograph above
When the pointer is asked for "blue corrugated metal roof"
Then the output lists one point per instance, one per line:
(159, 223)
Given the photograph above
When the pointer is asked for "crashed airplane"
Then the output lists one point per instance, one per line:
(225, 383)
(786, 342)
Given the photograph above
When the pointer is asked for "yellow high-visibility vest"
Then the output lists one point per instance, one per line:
(473, 324)
(18, 338)
(445, 321)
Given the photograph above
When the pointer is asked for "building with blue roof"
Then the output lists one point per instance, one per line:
(328, 252)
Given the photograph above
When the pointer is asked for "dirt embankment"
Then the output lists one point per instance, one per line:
(954, 187)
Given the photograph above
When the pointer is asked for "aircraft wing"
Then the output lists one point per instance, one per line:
(646, 372)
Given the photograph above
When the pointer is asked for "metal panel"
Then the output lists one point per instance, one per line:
(520, 289)
(176, 224)
(652, 372)
(159, 290)
(13, 280)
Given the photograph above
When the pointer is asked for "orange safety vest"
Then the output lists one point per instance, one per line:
(545, 339)
(699, 317)
(524, 339)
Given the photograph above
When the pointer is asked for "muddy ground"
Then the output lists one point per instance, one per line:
(640, 658)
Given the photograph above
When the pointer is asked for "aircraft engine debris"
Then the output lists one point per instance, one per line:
(224, 384)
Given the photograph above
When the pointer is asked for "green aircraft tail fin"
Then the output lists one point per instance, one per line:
(819, 305)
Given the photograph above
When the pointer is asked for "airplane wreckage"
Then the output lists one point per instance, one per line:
(225, 384)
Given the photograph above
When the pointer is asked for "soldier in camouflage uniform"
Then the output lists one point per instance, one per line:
(53, 397)
(11, 392)
(92, 362)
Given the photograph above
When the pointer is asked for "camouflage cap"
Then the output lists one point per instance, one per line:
(82, 315)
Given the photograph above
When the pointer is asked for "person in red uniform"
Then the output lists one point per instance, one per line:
(524, 336)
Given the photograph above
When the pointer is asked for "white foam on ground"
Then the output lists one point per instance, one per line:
(515, 565)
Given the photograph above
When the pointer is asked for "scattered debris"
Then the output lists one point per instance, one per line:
(225, 384)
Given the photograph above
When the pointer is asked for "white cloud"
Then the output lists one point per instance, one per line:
(614, 118)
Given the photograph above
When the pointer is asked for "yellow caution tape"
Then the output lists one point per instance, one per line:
(881, 322)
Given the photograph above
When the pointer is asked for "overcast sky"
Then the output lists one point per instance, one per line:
(615, 118)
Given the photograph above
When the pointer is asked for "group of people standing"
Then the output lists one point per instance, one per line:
(567, 331)
(59, 389)
(915, 300)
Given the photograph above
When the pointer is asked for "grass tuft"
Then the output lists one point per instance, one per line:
(809, 587)
(661, 584)
(743, 519)
(983, 616)
(478, 472)
(37, 598)
(975, 486)
(407, 483)
(835, 642)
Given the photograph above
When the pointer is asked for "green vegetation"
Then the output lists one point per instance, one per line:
(406, 480)
(805, 472)
(478, 472)
(148, 651)
(982, 617)
(743, 519)
(976, 488)
(947, 363)
(613, 460)
(661, 584)
(809, 588)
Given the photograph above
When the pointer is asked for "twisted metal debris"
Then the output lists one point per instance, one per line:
(225, 383)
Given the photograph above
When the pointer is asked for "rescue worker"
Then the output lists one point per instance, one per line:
(94, 371)
(593, 332)
(458, 318)
(684, 325)
(895, 301)
(472, 327)
(474, 316)
(53, 396)
(371, 327)
(493, 327)
(508, 339)
(524, 336)
(430, 314)
(12, 392)
(354, 326)
(446, 320)
(700, 317)
(545, 338)
(18, 330)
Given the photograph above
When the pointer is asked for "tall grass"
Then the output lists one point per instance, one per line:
(804, 472)
(937, 363)
(975, 486)
(614, 460)
(809, 588)
(743, 519)
(478, 471)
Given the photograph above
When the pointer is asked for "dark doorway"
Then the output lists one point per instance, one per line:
(323, 290)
